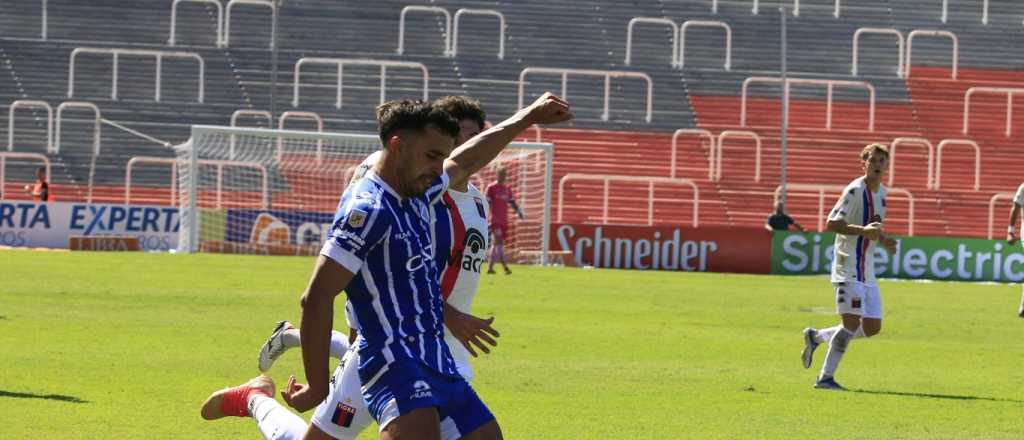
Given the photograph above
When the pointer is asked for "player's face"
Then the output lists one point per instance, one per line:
(423, 158)
(501, 175)
(467, 129)
(876, 165)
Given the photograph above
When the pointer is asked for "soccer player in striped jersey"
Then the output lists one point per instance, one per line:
(460, 231)
(1011, 231)
(379, 252)
(857, 222)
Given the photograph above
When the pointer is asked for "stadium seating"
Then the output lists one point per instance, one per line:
(591, 36)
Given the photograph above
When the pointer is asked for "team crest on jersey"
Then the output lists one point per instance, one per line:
(356, 218)
(343, 415)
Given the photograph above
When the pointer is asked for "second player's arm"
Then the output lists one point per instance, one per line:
(871, 231)
(329, 279)
(477, 152)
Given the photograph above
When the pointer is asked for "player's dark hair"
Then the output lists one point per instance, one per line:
(871, 148)
(407, 114)
(40, 170)
(463, 107)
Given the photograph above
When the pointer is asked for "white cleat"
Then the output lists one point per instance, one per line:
(274, 347)
(807, 356)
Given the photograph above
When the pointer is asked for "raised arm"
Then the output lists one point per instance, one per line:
(477, 152)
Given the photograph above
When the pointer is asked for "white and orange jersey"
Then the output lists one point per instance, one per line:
(853, 259)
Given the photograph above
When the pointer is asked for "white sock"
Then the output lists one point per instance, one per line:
(836, 347)
(339, 341)
(825, 335)
(274, 420)
(339, 344)
(290, 338)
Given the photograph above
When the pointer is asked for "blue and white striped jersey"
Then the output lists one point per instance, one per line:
(388, 243)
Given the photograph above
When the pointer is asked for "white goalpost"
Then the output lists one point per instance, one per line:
(275, 192)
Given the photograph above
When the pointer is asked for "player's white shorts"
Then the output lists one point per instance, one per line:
(856, 298)
(343, 414)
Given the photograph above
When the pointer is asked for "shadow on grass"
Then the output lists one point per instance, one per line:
(935, 396)
(57, 397)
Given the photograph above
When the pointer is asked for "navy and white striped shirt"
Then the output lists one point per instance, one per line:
(387, 242)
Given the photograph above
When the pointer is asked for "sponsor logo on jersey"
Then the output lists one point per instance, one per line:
(472, 250)
(422, 390)
(343, 415)
(267, 229)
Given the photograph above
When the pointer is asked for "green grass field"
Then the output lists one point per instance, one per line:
(129, 345)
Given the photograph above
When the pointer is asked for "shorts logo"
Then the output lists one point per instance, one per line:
(855, 303)
(422, 390)
(356, 218)
(343, 415)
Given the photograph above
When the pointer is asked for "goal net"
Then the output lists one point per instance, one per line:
(275, 192)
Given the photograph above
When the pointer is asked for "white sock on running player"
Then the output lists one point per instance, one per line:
(339, 341)
(274, 420)
(825, 335)
(836, 348)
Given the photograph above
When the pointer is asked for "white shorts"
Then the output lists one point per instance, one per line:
(344, 414)
(856, 298)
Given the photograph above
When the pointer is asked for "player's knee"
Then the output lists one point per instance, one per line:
(872, 330)
(840, 340)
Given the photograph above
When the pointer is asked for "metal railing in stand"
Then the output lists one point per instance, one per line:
(434, 9)
(226, 39)
(96, 130)
(930, 182)
(705, 23)
(992, 209)
(607, 74)
(454, 48)
(977, 160)
(607, 179)
(342, 62)
(219, 164)
(30, 103)
(302, 115)
(830, 85)
(5, 155)
(174, 19)
(652, 20)
(900, 69)
(704, 134)
(116, 53)
(1009, 91)
(932, 33)
(743, 134)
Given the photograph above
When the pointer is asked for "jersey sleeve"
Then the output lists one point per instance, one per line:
(844, 206)
(1019, 198)
(361, 225)
(364, 167)
(437, 188)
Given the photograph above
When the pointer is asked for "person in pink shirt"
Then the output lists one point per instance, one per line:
(499, 196)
